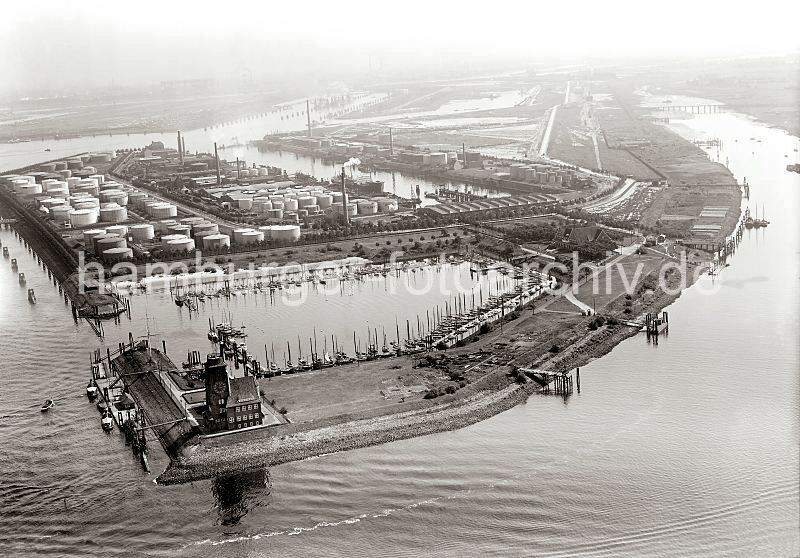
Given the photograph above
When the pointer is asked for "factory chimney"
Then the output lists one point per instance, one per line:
(180, 148)
(216, 158)
(238, 169)
(391, 143)
(308, 117)
(344, 201)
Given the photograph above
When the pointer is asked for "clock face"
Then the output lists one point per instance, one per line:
(219, 388)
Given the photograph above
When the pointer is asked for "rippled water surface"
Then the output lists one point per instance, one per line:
(688, 448)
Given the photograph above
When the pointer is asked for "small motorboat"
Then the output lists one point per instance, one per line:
(47, 405)
(106, 421)
(91, 390)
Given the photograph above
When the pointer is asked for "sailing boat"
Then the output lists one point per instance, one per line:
(761, 222)
(750, 222)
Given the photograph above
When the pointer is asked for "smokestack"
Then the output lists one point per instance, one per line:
(344, 201)
(391, 143)
(308, 117)
(180, 147)
(216, 158)
(238, 170)
(183, 148)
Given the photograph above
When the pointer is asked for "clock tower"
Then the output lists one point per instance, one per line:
(218, 389)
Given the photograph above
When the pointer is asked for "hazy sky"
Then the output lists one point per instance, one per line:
(61, 44)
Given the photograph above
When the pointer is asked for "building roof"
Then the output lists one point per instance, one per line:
(584, 235)
(243, 390)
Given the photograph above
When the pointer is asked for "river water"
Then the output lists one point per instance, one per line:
(686, 448)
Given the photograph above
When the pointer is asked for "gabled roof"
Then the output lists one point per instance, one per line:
(584, 235)
(243, 390)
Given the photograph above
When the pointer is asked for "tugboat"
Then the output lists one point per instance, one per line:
(47, 405)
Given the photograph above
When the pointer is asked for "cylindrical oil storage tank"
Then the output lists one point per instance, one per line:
(115, 255)
(180, 245)
(30, 189)
(60, 213)
(73, 182)
(104, 157)
(48, 167)
(311, 209)
(185, 230)
(352, 210)
(61, 192)
(263, 171)
(205, 227)
(121, 230)
(18, 183)
(303, 201)
(66, 173)
(337, 197)
(252, 237)
(452, 156)
(142, 232)
(278, 204)
(104, 194)
(200, 235)
(90, 234)
(192, 221)
(274, 214)
(238, 235)
(386, 205)
(118, 197)
(74, 164)
(243, 173)
(136, 199)
(162, 226)
(113, 214)
(91, 170)
(167, 238)
(101, 178)
(216, 241)
(60, 165)
(92, 244)
(244, 203)
(46, 183)
(324, 201)
(285, 233)
(367, 207)
(82, 217)
(50, 202)
(261, 205)
(163, 211)
(109, 241)
(289, 204)
(276, 197)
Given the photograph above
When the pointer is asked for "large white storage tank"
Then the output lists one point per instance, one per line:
(93, 243)
(100, 178)
(30, 189)
(90, 234)
(121, 230)
(108, 242)
(285, 233)
(180, 245)
(252, 237)
(274, 214)
(82, 217)
(142, 232)
(118, 197)
(386, 205)
(136, 199)
(337, 197)
(244, 203)
(115, 255)
(178, 228)
(163, 210)
(367, 207)
(167, 238)
(324, 201)
(238, 235)
(216, 241)
(278, 204)
(289, 204)
(61, 213)
(163, 225)
(261, 205)
(304, 201)
(113, 214)
(205, 227)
